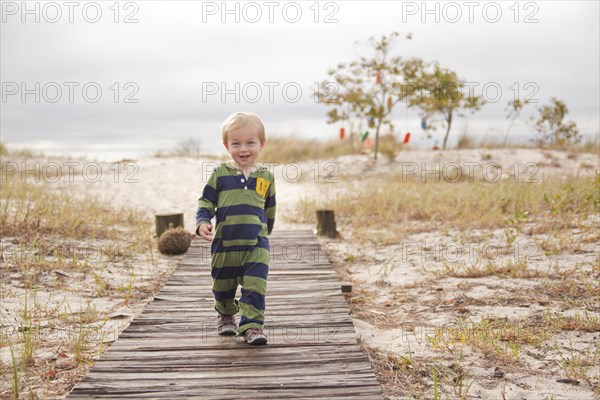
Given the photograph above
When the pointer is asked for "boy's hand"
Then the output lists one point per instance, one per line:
(206, 232)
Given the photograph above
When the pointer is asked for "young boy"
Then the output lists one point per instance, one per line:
(243, 194)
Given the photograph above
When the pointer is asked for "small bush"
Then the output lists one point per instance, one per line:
(174, 241)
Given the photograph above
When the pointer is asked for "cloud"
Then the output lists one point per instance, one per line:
(166, 60)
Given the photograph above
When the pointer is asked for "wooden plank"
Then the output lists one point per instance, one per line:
(298, 382)
(234, 355)
(177, 363)
(360, 392)
(172, 351)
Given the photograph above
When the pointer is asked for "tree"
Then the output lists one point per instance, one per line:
(551, 127)
(189, 147)
(440, 93)
(369, 88)
(514, 109)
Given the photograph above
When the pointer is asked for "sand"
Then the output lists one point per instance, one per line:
(398, 301)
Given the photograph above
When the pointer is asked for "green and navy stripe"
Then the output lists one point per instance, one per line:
(240, 247)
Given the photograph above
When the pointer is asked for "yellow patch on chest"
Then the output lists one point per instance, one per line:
(262, 186)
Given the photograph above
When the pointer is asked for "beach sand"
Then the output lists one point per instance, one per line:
(397, 302)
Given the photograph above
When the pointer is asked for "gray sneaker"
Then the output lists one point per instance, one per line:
(255, 336)
(226, 325)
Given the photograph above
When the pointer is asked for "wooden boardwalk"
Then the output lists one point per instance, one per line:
(172, 350)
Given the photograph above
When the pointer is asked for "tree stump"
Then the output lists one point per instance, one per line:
(346, 287)
(165, 221)
(326, 223)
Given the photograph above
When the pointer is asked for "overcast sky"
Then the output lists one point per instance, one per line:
(166, 65)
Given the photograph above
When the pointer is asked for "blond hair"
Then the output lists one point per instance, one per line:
(239, 120)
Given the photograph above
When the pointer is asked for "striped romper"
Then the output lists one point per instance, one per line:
(245, 211)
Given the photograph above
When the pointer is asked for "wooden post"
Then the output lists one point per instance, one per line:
(326, 223)
(167, 220)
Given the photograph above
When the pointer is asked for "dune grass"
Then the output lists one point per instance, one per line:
(59, 242)
(468, 141)
(385, 208)
(499, 339)
(6, 150)
(392, 202)
(30, 210)
(283, 150)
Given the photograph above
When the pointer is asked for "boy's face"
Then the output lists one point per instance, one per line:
(244, 145)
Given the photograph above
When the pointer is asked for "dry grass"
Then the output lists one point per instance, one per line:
(63, 247)
(401, 375)
(284, 150)
(21, 153)
(582, 323)
(394, 201)
(557, 215)
(466, 141)
(581, 291)
(561, 240)
(589, 146)
(506, 269)
(497, 339)
(580, 365)
(30, 210)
